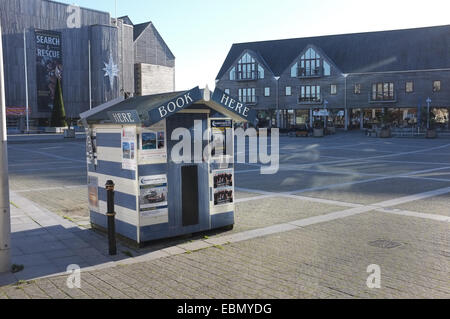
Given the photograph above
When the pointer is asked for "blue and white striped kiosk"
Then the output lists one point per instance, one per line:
(129, 141)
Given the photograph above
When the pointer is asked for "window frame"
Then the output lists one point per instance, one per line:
(310, 93)
(286, 91)
(247, 98)
(308, 59)
(412, 87)
(383, 91)
(435, 90)
(333, 92)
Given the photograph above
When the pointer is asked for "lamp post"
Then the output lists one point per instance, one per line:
(325, 105)
(428, 113)
(277, 78)
(5, 219)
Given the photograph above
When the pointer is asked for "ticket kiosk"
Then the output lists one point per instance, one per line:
(171, 176)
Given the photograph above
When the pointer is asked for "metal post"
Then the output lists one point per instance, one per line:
(26, 79)
(5, 219)
(345, 102)
(111, 218)
(277, 78)
(90, 75)
(428, 113)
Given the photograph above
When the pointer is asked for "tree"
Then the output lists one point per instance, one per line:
(59, 113)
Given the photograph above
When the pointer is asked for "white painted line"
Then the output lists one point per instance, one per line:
(45, 169)
(49, 189)
(413, 198)
(332, 216)
(439, 218)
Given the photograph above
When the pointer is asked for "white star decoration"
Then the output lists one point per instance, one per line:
(111, 70)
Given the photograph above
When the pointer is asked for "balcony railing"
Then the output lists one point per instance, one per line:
(309, 100)
(248, 76)
(309, 73)
(383, 98)
(250, 100)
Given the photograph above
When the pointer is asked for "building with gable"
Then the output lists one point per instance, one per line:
(353, 78)
(98, 58)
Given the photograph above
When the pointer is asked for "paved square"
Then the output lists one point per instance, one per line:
(336, 206)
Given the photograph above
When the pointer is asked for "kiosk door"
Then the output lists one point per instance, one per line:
(189, 183)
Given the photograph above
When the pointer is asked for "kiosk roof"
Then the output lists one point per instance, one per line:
(151, 109)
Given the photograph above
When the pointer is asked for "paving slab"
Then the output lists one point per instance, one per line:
(378, 191)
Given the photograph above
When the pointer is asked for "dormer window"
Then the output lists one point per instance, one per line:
(249, 69)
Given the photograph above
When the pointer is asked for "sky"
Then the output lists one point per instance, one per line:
(200, 33)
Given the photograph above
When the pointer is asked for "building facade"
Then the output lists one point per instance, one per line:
(97, 58)
(353, 79)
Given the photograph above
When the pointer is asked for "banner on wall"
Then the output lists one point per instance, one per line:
(129, 161)
(153, 195)
(223, 187)
(49, 67)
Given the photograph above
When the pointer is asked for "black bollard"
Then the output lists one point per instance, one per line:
(111, 218)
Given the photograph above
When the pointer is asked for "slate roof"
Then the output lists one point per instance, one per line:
(397, 50)
(139, 28)
(126, 20)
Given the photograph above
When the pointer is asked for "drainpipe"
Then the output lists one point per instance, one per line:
(345, 102)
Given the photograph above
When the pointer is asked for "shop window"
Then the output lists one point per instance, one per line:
(409, 87)
(436, 86)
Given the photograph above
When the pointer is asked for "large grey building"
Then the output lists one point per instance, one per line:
(97, 58)
(355, 77)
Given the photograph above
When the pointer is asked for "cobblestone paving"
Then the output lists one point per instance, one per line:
(321, 261)
(276, 256)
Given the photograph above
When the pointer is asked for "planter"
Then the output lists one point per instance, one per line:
(431, 134)
(318, 132)
(302, 133)
(331, 130)
(70, 133)
(385, 133)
